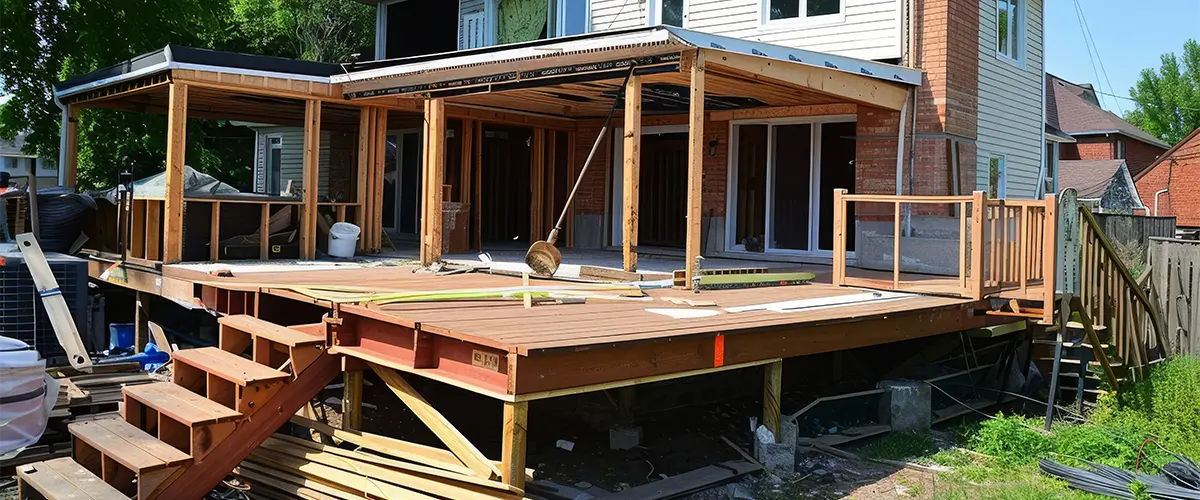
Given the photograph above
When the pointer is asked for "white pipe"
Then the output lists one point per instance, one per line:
(1156, 195)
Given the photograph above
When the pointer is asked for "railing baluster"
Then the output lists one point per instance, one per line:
(896, 251)
(962, 247)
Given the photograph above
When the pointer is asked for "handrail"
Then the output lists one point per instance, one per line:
(1115, 298)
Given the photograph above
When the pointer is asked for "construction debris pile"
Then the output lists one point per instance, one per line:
(1179, 480)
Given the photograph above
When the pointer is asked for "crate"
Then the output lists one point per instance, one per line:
(22, 314)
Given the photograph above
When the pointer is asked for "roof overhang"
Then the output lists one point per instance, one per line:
(611, 54)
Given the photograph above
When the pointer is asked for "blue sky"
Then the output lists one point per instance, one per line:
(1130, 36)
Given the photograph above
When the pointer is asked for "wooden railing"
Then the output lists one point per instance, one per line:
(1005, 247)
(1116, 301)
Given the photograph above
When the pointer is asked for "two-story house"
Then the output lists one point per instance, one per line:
(973, 123)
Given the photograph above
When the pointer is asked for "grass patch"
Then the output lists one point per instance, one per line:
(900, 446)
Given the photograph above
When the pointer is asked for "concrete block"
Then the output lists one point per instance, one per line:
(779, 458)
(623, 437)
(907, 406)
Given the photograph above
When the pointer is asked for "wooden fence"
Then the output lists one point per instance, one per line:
(1175, 286)
(1124, 230)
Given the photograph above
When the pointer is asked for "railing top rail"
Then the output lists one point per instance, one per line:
(1016, 203)
(890, 198)
(1175, 240)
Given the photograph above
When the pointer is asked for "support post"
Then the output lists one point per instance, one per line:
(379, 141)
(477, 191)
(71, 155)
(632, 173)
(214, 232)
(363, 174)
(141, 321)
(695, 164)
(1049, 254)
(537, 187)
(433, 178)
(176, 157)
(772, 392)
(352, 400)
(978, 209)
(312, 154)
(839, 237)
(512, 460)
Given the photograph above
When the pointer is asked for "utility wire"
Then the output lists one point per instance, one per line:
(1086, 44)
(1088, 33)
(1118, 96)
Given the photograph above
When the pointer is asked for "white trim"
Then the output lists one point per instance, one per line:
(186, 66)
(616, 177)
(1016, 34)
(654, 13)
(113, 79)
(731, 175)
(554, 29)
(802, 20)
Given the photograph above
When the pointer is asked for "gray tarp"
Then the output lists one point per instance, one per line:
(195, 185)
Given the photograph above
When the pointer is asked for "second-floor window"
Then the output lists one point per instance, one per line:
(1119, 149)
(1009, 21)
(802, 9)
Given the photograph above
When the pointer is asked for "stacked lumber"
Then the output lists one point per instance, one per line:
(289, 467)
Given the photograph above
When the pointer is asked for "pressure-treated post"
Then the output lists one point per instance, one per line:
(839, 237)
(71, 154)
(772, 394)
(512, 460)
(1049, 254)
(176, 148)
(978, 209)
(363, 187)
(695, 163)
(379, 145)
(432, 179)
(312, 155)
(632, 173)
(352, 400)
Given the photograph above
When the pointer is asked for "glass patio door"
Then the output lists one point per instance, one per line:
(402, 183)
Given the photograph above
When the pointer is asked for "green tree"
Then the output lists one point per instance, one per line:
(47, 41)
(1168, 99)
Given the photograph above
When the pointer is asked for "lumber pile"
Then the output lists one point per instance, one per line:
(288, 467)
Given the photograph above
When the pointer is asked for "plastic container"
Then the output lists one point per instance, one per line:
(149, 358)
(343, 238)
(120, 336)
(28, 393)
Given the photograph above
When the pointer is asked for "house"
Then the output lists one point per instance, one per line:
(1089, 132)
(975, 121)
(1171, 185)
(1105, 185)
(20, 165)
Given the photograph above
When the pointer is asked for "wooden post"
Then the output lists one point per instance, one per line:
(896, 249)
(312, 155)
(214, 233)
(632, 173)
(465, 157)
(569, 225)
(172, 229)
(772, 394)
(537, 188)
(978, 209)
(512, 459)
(362, 174)
(477, 195)
(550, 210)
(264, 232)
(839, 237)
(141, 321)
(1049, 254)
(695, 164)
(352, 400)
(71, 157)
(433, 176)
(379, 141)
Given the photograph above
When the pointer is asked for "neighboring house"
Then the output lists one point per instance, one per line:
(1105, 185)
(1075, 110)
(20, 165)
(279, 158)
(1171, 185)
(976, 122)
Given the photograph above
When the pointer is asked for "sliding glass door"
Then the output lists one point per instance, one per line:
(782, 179)
(402, 183)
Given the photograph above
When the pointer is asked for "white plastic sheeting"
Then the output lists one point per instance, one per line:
(27, 395)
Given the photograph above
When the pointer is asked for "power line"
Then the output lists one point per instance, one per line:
(1118, 96)
(1086, 44)
(1100, 60)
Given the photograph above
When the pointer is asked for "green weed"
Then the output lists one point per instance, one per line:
(900, 446)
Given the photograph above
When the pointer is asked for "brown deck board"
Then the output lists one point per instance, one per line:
(64, 479)
(228, 366)
(273, 332)
(181, 404)
(128, 445)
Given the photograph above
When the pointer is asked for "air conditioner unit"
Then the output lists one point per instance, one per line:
(22, 314)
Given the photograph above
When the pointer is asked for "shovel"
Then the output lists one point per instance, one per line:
(543, 257)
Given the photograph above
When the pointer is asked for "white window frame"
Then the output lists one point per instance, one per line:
(1016, 33)
(616, 176)
(764, 12)
(267, 147)
(1119, 148)
(814, 229)
(654, 14)
(555, 18)
(381, 25)
(1002, 176)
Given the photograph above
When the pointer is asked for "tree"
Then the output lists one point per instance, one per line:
(47, 41)
(1168, 99)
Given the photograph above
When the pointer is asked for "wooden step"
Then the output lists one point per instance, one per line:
(126, 457)
(236, 382)
(179, 417)
(270, 344)
(63, 478)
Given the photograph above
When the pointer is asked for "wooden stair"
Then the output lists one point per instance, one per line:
(178, 439)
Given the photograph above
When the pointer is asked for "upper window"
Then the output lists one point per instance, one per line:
(567, 17)
(1009, 21)
(1120, 149)
(801, 9)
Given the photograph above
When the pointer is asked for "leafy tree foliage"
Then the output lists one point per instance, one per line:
(46, 41)
(1168, 99)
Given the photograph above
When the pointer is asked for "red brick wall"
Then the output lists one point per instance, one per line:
(1139, 155)
(1181, 199)
(1087, 148)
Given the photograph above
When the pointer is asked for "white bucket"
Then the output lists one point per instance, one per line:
(343, 237)
(29, 393)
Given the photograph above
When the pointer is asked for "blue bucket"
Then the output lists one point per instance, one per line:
(120, 336)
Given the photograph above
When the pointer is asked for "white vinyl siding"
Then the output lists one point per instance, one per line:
(1010, 102)
(292, 164)
(871, 29)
